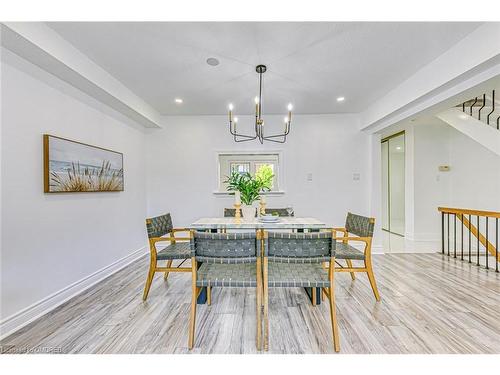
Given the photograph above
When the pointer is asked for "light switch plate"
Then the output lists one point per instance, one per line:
(309, 177)
(356, 177)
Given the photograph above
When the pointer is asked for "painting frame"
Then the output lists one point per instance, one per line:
(117, 185)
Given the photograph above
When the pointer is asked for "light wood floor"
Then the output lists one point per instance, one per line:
(430, 304)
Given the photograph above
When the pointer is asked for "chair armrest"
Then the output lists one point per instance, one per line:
(154, 240)
(343, 230)
(358, 239)
(176, 230)
(181, 230)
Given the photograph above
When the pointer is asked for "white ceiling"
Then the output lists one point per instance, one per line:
(309, 64)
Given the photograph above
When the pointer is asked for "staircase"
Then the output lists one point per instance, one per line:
(478, 118)
(471, 235)
(485, 109)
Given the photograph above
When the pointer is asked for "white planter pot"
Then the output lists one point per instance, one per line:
(248, 212)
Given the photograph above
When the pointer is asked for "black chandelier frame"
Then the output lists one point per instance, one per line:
(259, 122)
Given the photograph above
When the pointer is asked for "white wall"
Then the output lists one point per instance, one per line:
(472, 182)
(475, 174)
(182, 169)
(50, 242)
(432, 188)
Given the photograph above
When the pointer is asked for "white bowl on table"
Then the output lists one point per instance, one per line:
(269, 218)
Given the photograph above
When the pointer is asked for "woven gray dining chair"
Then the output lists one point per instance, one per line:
(296, 260)
(158, 227)
(362, 228)
(225, 260)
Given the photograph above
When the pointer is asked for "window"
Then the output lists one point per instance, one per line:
(248, 162)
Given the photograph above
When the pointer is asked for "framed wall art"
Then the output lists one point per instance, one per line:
(71, 166)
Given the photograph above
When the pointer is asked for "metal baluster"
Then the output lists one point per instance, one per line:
(462, 239)
(448, 232)
(442, 232)
(487, 252)
(470, 235)
(492, 107)
(454, 235)
(481, 108)
(477, 240)
(496, 244)
(473, 104)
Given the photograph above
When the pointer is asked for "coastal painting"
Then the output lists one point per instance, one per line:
(71, 166)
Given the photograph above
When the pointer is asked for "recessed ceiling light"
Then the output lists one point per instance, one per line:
(398, 148)
(340, 99)
(212, 61)
(178, 100)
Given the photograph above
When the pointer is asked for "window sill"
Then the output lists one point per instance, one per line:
(226, 193)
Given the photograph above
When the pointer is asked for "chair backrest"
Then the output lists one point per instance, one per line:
(280, 211)
(359, 225)
(159, 226)
(300, 247)
(230, 212)
(225, 247)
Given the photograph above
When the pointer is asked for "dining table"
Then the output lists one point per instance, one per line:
(224, 224)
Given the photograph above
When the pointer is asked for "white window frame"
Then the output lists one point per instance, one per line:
(280, 189)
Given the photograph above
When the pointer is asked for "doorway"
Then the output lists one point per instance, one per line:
(393, 184)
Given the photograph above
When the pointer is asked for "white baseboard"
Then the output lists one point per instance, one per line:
(27, 315)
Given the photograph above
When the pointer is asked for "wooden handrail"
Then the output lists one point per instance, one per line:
(465, 211)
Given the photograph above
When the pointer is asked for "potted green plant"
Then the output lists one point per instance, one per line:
(250, 187)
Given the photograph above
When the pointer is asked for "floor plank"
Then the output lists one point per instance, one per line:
(430, 304)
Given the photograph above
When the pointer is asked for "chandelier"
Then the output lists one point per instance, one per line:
(259, 122)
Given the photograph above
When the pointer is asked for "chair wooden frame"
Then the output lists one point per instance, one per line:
(329, 292)
(153, 264)
(368, 268)
(197, 290)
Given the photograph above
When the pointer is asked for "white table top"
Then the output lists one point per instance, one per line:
(255, 223)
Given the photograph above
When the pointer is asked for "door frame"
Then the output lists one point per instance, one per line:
(386, 139)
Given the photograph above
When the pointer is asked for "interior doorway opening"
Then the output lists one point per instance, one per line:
(393, 184)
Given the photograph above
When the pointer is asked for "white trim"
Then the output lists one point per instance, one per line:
(378, 249)
(29, 314)
(423, 237)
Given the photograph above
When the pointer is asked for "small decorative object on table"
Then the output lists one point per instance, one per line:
(237, 205)
(262, 204)
(249, 187)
